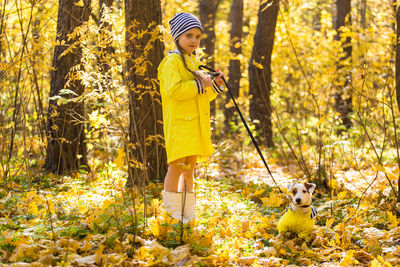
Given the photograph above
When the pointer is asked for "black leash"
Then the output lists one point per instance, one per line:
(215, 74)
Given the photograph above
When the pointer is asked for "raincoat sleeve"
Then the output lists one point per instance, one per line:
(174, 86)
(216, 90)
(211, 95)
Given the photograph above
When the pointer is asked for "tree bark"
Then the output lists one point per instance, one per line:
(236, 19)
(260, 70)
(394, 23)
(397, 73)
(398, 58)
(208, 10)
(343, 96)
(146, 152)
(66, 148)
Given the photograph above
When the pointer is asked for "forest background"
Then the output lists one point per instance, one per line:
(82, 159)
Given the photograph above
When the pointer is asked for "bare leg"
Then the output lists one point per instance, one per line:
(172, 178)
(186, 177)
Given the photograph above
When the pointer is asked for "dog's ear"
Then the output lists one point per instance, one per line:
(290, 186)
(310, 187)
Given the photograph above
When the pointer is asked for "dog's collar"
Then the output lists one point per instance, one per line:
(301, 206)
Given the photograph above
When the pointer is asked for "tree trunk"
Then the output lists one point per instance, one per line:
(35, 63)
(397, 73)
(66, 148)
(236, 19)
(397, 57)
(260, 70)
(343, 96)
(208, 10)
(146, 152)
(394, 21)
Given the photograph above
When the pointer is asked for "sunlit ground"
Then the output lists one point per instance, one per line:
(94, 219)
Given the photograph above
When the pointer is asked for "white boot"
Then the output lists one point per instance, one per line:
(189, 207)
(173, 203)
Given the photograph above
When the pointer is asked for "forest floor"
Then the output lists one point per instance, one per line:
(92, 219)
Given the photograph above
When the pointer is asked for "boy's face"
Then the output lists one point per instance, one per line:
(190, 40)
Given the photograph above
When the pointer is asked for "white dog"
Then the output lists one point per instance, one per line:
(299, 216)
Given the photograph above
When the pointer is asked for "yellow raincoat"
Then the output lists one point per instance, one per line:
(297, 222)
(186, 113)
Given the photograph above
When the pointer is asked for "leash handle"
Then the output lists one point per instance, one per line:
(247, 127)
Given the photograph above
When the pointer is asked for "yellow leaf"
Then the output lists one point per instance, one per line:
(329, 222)
(273, 200)
(348, 259)
(380, 262)
(155, 228)
(106, 203)
(33, 209)
(82, 209)
(50, 203)
(97, 120)
(25, 251)
(322, 120)
(266, 6)
(342, 195)
(80, 3)
(258, 192)
(337, 239)
(379, 168)
(30, 195)
(86, 246)
(99, 254)
(245, 191)
(282, 251)
(90, 220)
(258, 65)
(333, 184)
(392, 219)
(120, 159)
(304, 147)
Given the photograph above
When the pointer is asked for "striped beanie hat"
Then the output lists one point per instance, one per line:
(182, 22)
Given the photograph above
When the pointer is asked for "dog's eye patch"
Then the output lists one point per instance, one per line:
(294, 191)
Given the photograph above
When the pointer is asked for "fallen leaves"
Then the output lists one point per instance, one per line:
(392, 219)
(94, 224)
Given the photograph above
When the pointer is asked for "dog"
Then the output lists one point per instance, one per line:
(299, 216)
